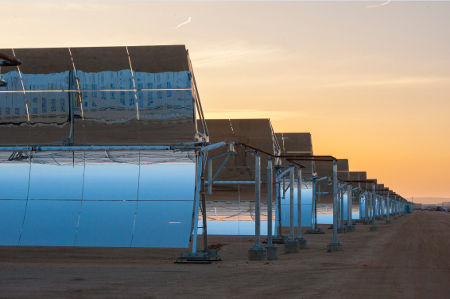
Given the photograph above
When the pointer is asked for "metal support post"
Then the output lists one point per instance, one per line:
(206, 255)
(292, 244)
(272, 250)
(280, 239)
(373, 227)
(314, 229)
(300, 239)
(257, 253)
(335, 245)
(210, 180)
(341, 228)
(350, 226)
(314, 205)
(196, 200)
(388, 208)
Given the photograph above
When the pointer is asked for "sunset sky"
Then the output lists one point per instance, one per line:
(370, 81)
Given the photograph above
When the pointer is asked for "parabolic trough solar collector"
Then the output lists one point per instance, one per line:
(140, 95)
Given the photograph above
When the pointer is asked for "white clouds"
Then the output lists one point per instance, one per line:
(184, 23)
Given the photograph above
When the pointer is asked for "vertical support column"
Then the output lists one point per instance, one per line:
(341, 211)
(280, 239)
(366, 207)
(257, 200)
(380, 206)
(292, 244)
(205, 222)
(313, 206)
(257, 253)
(388, 208)
(334, 245)
(196, 201)
(338, 210)
(300, 239)
(291, 203)
(272, 250)
(373, 227)
(210, 182)
(360, 206)
(350, 226)
(395, 207)
(314, 229)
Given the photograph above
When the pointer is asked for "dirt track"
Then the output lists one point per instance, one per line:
(409, 258)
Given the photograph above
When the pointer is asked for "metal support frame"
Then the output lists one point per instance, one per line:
(257, 252)
(335, 245)
(315, 191)
(301, 241)
(373, 227)
(291, 203)
(350, 226)
(388, 208)
(366, 207)
(272, 250)
(292, 244)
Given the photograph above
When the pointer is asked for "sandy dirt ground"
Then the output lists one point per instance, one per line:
(409, 258)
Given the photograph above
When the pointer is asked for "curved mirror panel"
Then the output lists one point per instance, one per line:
(12, 213)
(50, 223)
(163, 224)
(57, 175)
(106, 223)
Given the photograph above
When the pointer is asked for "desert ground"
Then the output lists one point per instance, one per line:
(409, 258)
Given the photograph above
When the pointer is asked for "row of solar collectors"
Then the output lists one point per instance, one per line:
(86, 200)
(237, 218)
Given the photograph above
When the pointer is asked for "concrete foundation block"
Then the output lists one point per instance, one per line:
(388, 221)
(334, 247)
(291, 246)
(257, 254)
(272, 252)
(301, 243)
(373, 228)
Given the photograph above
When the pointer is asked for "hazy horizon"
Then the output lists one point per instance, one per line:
(371, 84)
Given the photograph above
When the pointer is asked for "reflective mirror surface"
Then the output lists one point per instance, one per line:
(98, 96)
(118, 199)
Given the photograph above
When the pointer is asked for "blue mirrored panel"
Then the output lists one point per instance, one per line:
(92, 199)
(111, 181)
(57, 175)
(12, 213)
(345, 201)
(324, 218)
(164, 224)
(306, 201)
(14, 175)
(106, 223)
(50, 223)
(362, 205)
(167, 181)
